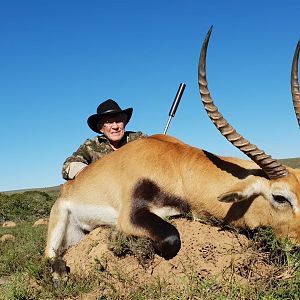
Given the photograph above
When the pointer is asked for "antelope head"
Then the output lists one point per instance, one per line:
(282, 188)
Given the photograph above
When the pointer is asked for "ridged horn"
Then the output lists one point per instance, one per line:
(272, 168)
(295, 83)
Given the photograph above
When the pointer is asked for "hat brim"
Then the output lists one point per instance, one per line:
(94, 120)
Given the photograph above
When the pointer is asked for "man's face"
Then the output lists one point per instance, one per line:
(113, 127)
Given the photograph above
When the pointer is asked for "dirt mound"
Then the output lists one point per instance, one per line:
(206, 252)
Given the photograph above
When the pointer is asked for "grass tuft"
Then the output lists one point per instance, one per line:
(122, 245)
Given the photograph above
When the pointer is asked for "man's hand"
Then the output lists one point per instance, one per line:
(74, 169)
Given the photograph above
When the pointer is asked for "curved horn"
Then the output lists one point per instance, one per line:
(295, 83)
(270, 166)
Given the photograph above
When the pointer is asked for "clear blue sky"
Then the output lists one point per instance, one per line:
(60, 59)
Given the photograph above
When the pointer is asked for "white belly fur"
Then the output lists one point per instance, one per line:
(89, 217)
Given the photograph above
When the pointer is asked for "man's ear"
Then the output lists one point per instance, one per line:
(244, 190)
(100, 126)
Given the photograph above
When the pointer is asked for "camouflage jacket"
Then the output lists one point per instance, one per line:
(93, 149)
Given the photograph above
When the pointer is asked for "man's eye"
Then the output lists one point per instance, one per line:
(111, 122)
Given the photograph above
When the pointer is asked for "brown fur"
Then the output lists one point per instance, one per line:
(161, 171)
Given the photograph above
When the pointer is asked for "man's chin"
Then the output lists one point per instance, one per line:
(115, 138)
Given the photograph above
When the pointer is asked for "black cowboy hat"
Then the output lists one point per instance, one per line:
(108, 107)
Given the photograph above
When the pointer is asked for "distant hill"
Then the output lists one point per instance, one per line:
(52, 191)
(291, 162)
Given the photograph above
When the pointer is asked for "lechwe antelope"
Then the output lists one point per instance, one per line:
(158, 176)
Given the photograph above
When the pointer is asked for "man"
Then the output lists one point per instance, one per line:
(110, 121)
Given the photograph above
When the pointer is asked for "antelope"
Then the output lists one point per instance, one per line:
(139, 185)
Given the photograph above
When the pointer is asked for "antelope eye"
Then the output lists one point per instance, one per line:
(280, 199)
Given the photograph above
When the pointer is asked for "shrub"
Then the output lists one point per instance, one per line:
(27, 206)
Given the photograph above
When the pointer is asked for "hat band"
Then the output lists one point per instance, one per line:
(111, 110)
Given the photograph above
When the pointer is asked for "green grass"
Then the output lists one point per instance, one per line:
(25, 275)
(24, 253)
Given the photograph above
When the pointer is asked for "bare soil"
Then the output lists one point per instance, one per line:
(206, 252)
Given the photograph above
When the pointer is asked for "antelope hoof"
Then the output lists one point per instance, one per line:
(60, 272)
(168, 247)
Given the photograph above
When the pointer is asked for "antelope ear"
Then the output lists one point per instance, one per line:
(231, 197)
(243, 190)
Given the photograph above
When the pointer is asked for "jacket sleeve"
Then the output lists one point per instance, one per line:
(77, 161)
